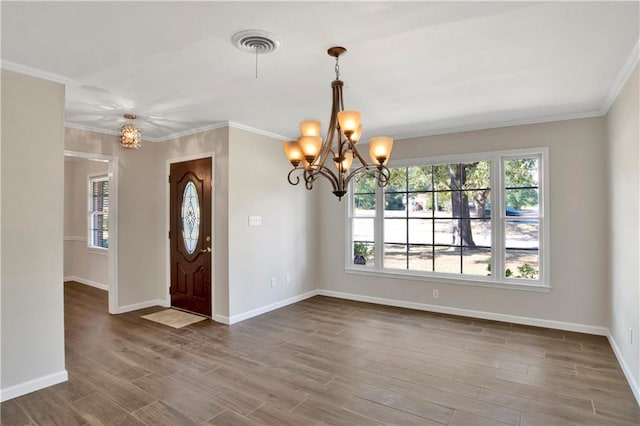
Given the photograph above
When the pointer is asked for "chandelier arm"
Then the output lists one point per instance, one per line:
(309, 178)
(290, 175)
(336, 101)
(382, 174)
(358, 156)
(316, 171)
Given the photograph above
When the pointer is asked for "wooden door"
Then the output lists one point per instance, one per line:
(190, 235)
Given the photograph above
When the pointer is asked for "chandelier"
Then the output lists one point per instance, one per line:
(311, 157)
(129, 133)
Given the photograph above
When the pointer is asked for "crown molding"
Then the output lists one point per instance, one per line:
(102, 131)
(257, 131)
(34, 72)
(499, 124)
(216, 125)
(623, 76)
(148, 139)
(90, 128)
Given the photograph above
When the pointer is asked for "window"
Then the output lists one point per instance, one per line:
(435, 219)
(98, 217)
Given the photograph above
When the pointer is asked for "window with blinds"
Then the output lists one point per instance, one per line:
(98, 217)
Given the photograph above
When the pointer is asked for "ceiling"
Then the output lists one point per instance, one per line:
(411, 68)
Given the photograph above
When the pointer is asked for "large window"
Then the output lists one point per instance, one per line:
(436, 218)
(98, 216)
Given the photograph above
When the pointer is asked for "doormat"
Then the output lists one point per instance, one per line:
(174, 318)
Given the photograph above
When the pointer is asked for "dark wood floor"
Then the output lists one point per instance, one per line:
(325, 361)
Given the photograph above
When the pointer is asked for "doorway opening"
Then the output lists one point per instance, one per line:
(91, 222)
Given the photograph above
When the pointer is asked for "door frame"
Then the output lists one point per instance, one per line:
(112, 254)
(168, 225)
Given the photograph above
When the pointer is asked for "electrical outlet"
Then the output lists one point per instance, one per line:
(273, 282)
(255, 220)
(630, 335)
(436, 294)
(288, 279)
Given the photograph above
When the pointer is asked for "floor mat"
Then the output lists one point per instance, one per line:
(174, 318)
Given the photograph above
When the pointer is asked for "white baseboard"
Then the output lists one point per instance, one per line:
(264, 309)
(633, 384)
(221, 318)
(33, 385)
(142, 305)
(87, 282)
(568, 326)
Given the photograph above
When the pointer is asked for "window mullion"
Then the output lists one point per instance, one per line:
(378, 232)
(497, 220)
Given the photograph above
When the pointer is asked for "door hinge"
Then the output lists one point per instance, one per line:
(169, 236)
(169, 178)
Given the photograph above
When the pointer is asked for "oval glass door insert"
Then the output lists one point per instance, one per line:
(190, 217)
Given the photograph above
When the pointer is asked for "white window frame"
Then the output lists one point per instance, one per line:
(498, 223)
(95, 177)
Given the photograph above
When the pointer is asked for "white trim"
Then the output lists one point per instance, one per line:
(216, 125)
(623, 76)
(98, 250)
(33, 385)
(167, 211)
(91, 129)
(257, 131)
(268, 308)
(498, 124)
(172, 136)
(515, 319)
(143, 305)
(79, 239)
(87, 282)
(633, 384)
(113, 222)
(221, 319)
(34, 72)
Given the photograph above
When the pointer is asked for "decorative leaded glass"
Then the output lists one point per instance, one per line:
(190, 217)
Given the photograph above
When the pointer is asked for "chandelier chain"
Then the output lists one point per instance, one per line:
(337, 69)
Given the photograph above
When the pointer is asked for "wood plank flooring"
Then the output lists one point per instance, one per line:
(325, 361)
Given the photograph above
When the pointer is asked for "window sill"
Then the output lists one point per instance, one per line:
(98, 250)
(471, 281)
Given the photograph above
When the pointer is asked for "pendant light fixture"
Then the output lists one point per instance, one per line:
(311, 157)
(129, 133)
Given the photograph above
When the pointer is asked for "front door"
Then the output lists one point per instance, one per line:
(190, 235)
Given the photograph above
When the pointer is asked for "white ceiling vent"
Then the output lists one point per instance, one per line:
(255, 41)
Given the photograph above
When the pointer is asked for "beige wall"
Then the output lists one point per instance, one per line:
(282, 246)
(578, 233)
(81, 263)
(32, 180)
(623, 123)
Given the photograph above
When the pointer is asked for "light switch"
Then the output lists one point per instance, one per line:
(255, 220)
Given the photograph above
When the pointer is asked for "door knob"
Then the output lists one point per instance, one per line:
(206, 250)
